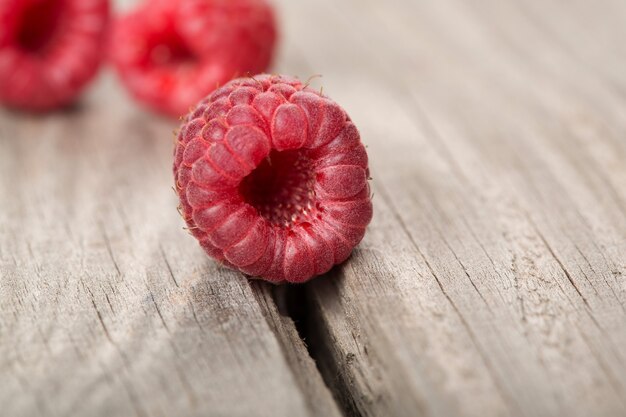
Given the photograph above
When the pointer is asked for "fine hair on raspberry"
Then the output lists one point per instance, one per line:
(273, 178)
(49, 50)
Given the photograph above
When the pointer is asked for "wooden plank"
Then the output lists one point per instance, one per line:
(492, 278)
(107, 307)
(491, 281)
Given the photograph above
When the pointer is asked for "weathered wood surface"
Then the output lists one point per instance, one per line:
(492, 281)
(108, 307)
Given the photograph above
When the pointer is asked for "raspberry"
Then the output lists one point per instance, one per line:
(273, 178)
(49, 50)
(172, 53)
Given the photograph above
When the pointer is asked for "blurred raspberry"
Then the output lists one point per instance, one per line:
(273, 179)
(49, 50)
(172, 53)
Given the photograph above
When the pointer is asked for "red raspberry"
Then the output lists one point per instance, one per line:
(172, 53)
(49, 50)
(273, 179)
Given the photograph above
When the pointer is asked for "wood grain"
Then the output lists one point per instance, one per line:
(107, 306)
(492, 281)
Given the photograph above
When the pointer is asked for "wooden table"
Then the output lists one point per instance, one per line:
(492, 281)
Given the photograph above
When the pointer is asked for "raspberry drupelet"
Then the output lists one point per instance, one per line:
(172, 53)
(49, 50)
(273, 179)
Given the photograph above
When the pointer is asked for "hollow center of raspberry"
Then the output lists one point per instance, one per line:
(281, 188)
(169, 50)
(39, 24)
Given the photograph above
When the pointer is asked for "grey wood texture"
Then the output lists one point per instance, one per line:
(108, 307)
(492, 281)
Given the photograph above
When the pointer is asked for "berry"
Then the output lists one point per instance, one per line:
(273, 178)
(172, 53)
(49, 50)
